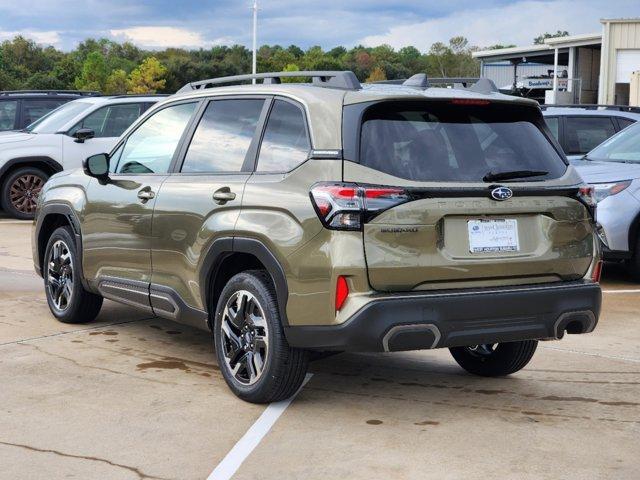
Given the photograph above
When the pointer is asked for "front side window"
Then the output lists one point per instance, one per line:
(223, 136)
(623, 147)
(110, 121)
(8, 111)
(150, 148)
(442, 141)
(583, 134)
(285, 144)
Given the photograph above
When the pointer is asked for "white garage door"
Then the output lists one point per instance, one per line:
(628, 61)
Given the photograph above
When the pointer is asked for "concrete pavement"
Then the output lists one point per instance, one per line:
(134, 397)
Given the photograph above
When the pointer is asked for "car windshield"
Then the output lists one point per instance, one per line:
(55, 120)
(443, 141)
(623, 147)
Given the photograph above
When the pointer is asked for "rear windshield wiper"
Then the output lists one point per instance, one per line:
(495, 176)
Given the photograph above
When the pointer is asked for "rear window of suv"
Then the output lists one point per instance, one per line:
(443, 141)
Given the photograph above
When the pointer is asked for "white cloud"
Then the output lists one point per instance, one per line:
(163, 37)
(49, 37)
(517, 23)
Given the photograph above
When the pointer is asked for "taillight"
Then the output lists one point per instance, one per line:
(342, 292)
(346, 206)
(587, 195)
(597, 272)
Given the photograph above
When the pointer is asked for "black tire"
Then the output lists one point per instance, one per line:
(283, 367)
(495, 361)
(20, 191)
(633, 264)
(81, 306)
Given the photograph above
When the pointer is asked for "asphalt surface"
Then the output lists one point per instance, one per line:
(134, 397)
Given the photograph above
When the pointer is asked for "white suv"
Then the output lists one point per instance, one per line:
(59, 141)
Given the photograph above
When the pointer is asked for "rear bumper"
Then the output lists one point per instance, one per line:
(414, 321)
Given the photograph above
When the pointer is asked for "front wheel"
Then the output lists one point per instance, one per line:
(20, 192)
(68, 300)
(253, 354)
(495, 360)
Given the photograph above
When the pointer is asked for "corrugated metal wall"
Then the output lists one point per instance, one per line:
(617, 36)
(502, 72)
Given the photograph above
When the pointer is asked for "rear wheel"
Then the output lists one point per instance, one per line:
(20, 192)
(68, 300)
(253, 354)
(633, 264)
(495, 360)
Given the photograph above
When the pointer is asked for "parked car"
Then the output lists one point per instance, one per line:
(19, 108)
(61, 140)
(613, 168)
(580, 128)
(330, 216)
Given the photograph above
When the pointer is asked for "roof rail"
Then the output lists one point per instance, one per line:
(593, 106)
(345, 80)
(134, 95)
(433, 81)
(83, 93)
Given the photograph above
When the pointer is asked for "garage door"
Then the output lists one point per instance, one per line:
(628, 61)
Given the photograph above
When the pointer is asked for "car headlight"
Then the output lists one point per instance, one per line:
(604, 190)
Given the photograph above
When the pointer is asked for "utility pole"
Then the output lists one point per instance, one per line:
(255, 39)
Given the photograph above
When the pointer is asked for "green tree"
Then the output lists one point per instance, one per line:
(116, 83)
(94, 73)
(541, 38)
(148, 77)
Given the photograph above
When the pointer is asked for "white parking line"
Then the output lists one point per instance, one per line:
(250, 440)
(628, 290)
(593, 354)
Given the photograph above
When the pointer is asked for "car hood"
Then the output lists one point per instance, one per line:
(599, 172)
(10, 137)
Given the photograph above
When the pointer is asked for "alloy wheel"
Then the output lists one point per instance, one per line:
(24, 192)
(60, 275)
(244, 337)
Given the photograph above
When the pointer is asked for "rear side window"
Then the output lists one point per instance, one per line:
(554, 126)
(285, 144)
(438, 141)
(583, 134)
(223, 136)
(8, 112)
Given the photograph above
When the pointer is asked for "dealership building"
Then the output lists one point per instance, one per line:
(601, 68)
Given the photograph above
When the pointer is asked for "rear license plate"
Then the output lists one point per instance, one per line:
(493, 235)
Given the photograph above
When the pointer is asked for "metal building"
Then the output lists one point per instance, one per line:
(594, 68)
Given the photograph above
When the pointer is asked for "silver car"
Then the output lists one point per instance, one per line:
(613, 168)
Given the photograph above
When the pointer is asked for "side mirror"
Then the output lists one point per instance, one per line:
(83, 134)
(97, 166)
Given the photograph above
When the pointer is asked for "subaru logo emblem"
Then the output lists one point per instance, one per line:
(501, 193)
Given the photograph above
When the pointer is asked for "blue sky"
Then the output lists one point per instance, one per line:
(192, 24)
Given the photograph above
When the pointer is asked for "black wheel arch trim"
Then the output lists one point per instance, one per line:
(53, 165)
(72, 218)
(225, 246)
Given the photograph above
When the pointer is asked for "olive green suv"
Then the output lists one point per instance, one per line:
(330, 216)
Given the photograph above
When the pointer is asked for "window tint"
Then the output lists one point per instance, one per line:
(624, 147)
(150, 148)
(32, 110)
(8, 110)
(440, 141)
(553, 124)
(110, 121)
(624, 122)
(223, 136)
(285, 144)
(582, 134)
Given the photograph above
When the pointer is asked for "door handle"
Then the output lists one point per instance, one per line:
(223, 195)
(146, 194)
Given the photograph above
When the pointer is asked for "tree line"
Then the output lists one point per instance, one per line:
(114, 68)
